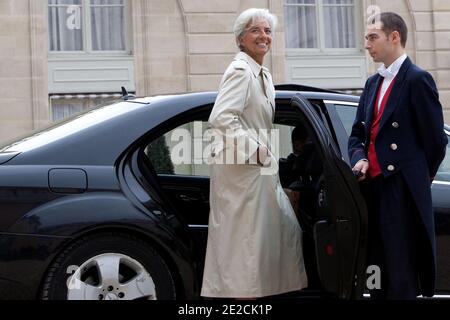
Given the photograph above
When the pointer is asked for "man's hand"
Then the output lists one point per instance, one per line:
(361, 167)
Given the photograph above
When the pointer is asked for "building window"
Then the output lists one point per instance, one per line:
(87, 26)
(90, 52)
(64, 106)
(320, 24)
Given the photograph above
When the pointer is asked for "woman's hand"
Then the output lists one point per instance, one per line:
(262, 155)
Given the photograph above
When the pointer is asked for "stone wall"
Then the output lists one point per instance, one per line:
(186, 45)
(159, 47)
(428, 39)
(441, 28)
(23, 67)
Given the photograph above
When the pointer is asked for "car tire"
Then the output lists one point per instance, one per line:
(108, 266)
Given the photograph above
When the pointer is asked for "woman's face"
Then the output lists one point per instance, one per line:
(257, 40)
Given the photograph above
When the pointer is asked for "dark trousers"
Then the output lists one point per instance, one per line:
(394, 236)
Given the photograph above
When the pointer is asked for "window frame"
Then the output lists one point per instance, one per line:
(446, 158)
(320, 27)
(86, 29)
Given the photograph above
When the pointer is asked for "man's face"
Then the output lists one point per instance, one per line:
(378, 44)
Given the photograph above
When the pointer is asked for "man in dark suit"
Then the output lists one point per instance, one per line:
(396, 146)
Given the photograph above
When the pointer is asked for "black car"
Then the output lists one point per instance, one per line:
(93, 207)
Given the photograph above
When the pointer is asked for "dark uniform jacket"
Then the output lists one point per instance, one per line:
(410, 141)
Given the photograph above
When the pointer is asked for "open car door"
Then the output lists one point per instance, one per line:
(340, 222)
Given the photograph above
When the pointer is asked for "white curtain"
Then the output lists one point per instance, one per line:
(339, 21)
(66, 106)
(107, 25)
(301, 24)
(63, 108)
(62, 38)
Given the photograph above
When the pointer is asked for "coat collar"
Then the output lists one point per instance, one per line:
(393, 98)
(391, 71)
(254, 66)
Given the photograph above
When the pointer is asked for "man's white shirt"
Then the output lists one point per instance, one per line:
(389, 74)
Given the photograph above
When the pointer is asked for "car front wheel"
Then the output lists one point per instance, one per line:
(108, 266)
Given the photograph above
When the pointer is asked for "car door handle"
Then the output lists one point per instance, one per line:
(187, 198)
(322, 199)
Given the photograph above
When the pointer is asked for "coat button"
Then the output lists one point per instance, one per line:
(391, 168)
(395, 125)
(394, 146)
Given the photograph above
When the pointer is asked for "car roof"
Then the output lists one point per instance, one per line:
(108, 130)
(312, 95)
(283, 94)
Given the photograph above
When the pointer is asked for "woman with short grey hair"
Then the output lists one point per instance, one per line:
(254, 239)
(247, 17)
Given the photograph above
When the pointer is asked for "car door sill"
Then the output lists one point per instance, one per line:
(435, 297)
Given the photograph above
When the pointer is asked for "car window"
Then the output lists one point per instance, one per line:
(285, 143)
(69, 126)
(443, 173)
(347, 115)
(180, 151)
(177, 151)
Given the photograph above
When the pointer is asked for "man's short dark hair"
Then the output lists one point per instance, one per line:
(393, 22)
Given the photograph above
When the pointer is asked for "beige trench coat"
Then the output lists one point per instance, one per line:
(254, 240)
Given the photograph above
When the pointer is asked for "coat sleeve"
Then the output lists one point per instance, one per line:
(357, 139)
(225, 119)
(430, 119)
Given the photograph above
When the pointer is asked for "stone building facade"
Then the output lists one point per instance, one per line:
(175, 46)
